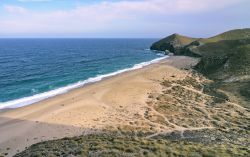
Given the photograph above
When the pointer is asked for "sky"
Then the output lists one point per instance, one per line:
(120, 18)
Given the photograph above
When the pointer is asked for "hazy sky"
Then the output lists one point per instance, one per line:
(121, 18)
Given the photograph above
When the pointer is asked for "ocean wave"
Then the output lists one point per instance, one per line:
(38, 97)
(160, 54)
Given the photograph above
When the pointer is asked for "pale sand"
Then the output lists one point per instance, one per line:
(104, 105)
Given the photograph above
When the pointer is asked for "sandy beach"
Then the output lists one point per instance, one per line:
(105, 105)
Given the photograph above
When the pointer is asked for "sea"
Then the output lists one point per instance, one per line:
(32, 70)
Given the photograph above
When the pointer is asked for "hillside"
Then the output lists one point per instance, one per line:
(183, 45)
(228, 63)
(229, 35)
(224, 58)
(173, 43)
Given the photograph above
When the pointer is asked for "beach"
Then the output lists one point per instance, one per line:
(97, 107)
(123, 78)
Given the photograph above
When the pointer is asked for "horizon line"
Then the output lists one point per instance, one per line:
(80, 37)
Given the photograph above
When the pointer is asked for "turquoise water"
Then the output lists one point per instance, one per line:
(34, 69)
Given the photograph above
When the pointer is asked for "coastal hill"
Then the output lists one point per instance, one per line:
(183, 45)
(226, 59)
(181, 40)
(224, 56)
(229, 35)
(173, 43)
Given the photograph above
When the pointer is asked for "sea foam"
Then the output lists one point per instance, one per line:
(38, 97)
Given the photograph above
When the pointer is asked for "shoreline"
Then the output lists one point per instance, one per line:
(30, 100)
(95, 107)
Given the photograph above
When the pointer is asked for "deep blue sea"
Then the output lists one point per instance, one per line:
(34, 69)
